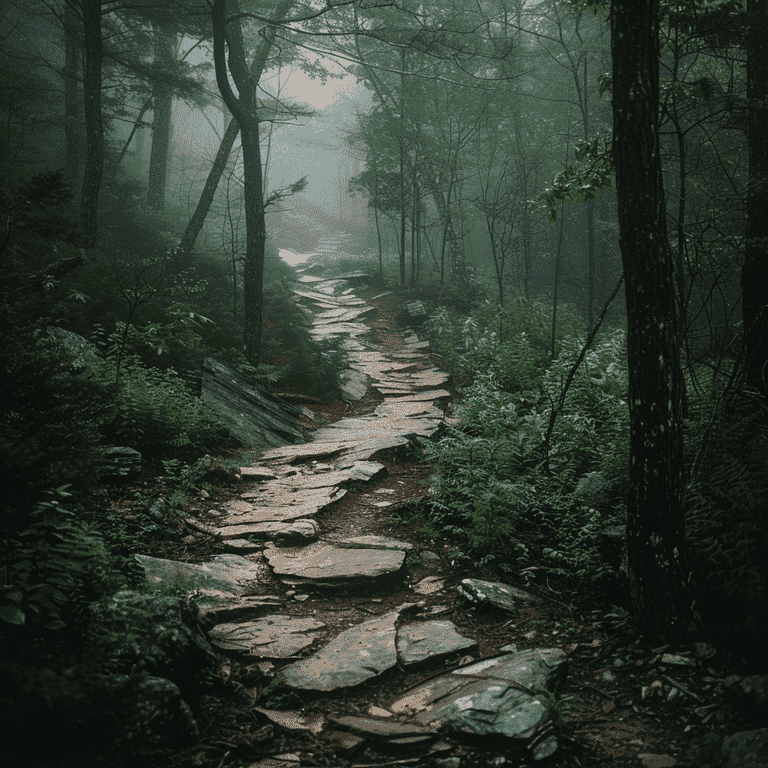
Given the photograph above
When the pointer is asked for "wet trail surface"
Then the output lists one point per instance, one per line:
(354, 639)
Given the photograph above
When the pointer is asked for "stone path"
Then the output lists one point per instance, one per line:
(281, 556)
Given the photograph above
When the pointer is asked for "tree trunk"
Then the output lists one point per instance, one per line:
(162, 104)
(71, 68)
(233, 128)
(94, 131)
(244, 110)
(754, 275)
(658, 571)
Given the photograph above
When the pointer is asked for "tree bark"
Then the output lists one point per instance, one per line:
(658, 570)
(162, 104)
(71, 68)
(257, 67)
(244, 110)
(94, 131)
(754, 274)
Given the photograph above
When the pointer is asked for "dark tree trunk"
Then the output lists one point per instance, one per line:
(162, 104)
(71, 69)
(754, 275)
(258, 65)
(655, 516)
(94, 131)
(211, 184)
(244, 110)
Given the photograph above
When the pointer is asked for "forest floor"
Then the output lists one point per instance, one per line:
(620, 706)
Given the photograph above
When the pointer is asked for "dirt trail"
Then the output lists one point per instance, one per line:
(603, 719)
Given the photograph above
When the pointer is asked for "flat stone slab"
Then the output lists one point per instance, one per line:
(284, 493)
(499, 697)
(329, 563)
(357, 654)
(341, 315)
(397, 408)
(227, 573)
(372, 541)
(429, 640)
(286, 534)
(367, 449)
(225, 607)
(257, 473)
(330, 330)
(354, 385)
(273, 636)
(503, 596)
(387, 736)
(312, 450)
(280, 513)
(378, 427)
(430, 394)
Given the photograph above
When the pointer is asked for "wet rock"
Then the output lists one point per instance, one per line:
(228, 573)
(257, 473)
(221, 607)
(242, 546)
(429, 640)
(431, 585)
(363, 429)
(372, 541)
(353, 385)
(300, 532)
(417, 313)
(366, 470)
(357, 654)
(255, 416)
(503, 596)
(330, 564)
(746, 749)
(272, 636)
(387, 737)
(500, 697)
(294, 721)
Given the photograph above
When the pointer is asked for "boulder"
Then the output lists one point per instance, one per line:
(83, 353)
(746, 749)
(502, 699)
(228, 573)
(255, 417)
(494, 593)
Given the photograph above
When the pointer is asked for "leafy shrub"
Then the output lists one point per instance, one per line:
(155, 413)
(54, 566)
(511, 341)
(492, 492)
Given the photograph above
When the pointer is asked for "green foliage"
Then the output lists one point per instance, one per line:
(53, 565)
(491, 493)
(153, 410)
(511, 342)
